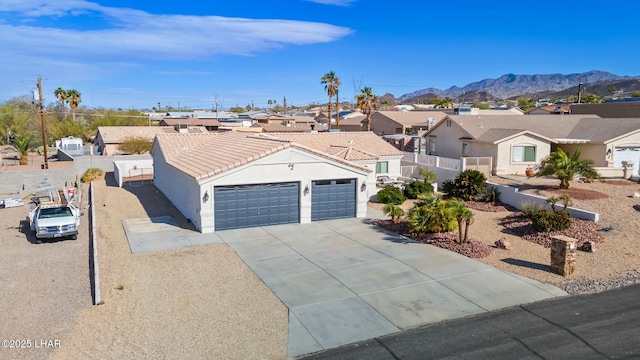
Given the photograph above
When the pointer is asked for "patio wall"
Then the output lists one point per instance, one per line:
(512, 196)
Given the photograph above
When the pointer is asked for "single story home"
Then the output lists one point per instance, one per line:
(236, 180)
(108, 138)
(518, 142)
(401, 122)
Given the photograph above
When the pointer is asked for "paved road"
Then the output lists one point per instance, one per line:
(596, 326)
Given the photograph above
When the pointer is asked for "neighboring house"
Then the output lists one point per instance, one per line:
(237, 180)
(182, 123)
(401, 122)
(549, 110)
(518, 142)
(620, 109)
(108, 138)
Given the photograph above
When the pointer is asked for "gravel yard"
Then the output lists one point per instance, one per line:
(616, 261)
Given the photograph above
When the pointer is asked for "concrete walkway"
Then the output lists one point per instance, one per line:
(346, 280)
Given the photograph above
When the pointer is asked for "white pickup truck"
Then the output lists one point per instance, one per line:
(55, 221)
(53, 216)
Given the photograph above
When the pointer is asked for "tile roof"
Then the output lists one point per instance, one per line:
(408, 118)
(191, 122)
(117, 134)
(604, 130)
(364, 141)
(205, 155)
(550, 126)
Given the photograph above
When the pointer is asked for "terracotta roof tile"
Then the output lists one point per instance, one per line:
(206, 155)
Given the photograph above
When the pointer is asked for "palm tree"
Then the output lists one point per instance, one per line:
(74, 99)
(565, 167)
(270, 103)
(61, 95)
(331, 83)
(463, 216)
(365, 101)
(429, 176)
(22, 143)
(394, 211)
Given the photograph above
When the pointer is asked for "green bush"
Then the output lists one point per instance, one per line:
(415, 188)
(431, 219)
(391, 195)
(548, 220)
(491, 195)
(530, 209)
(466, 186)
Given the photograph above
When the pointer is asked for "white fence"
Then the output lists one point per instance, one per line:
(512, 196)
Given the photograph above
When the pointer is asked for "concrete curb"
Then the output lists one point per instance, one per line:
(93, 252)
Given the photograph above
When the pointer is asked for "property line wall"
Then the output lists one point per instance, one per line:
(512, 196)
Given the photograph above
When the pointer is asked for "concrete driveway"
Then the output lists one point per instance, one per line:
(345, 281)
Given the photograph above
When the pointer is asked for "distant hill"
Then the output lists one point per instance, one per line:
(511, 85)
(618, 88)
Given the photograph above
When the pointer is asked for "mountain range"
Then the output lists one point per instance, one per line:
(511, 85)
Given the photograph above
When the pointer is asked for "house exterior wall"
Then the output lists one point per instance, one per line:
(594, 152)
(181, 189)
(447, 140)
(504, 163)
(276, 168)
(382, 125)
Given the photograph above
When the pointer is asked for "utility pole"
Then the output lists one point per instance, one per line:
(579, 88)
(285, 106)
(44, 138)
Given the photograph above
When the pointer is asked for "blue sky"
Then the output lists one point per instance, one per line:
(134, 54)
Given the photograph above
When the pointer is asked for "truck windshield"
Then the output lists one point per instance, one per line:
(54, 212)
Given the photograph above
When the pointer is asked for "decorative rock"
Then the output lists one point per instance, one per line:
(635, 195)
(503, 244)
(588, 247)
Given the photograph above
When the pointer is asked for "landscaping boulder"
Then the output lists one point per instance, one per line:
(503, 244)
(588, 247)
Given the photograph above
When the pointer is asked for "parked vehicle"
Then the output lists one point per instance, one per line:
(53, 216)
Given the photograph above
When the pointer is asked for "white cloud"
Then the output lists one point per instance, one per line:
(138, 34)
(333, 2)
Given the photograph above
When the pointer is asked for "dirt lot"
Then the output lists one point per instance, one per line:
(200, 302)
(43, 286)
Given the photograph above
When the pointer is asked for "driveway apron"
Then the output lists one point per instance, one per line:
(346, 280)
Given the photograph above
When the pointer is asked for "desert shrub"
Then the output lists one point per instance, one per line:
(395, 212)
(415, 188)
(431, 219)
(548, 220)
(530, 209)
(467, 185)
(448, 186)
(491, 194)
(91, 174)
(391, 195)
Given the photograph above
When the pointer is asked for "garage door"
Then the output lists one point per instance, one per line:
(628, 153)
(333, 199)
(242, 206)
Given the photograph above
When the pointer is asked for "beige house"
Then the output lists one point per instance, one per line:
(238, 180)
(519, 142)
(108, 138)
(401, 122)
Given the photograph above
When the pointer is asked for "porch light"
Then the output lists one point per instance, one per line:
(205, 197)
(363, 187)
(306, 190)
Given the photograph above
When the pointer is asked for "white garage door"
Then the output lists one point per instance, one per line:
(628, 153)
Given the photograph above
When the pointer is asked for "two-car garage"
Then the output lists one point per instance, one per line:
(242, 206)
